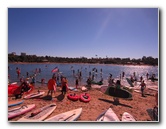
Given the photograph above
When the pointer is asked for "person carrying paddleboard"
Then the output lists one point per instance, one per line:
(52, 85)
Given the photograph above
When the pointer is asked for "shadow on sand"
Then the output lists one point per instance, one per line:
(47, 97)
(114, 103)
(60, 97)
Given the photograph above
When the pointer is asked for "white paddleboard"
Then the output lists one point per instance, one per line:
(33, 95)
(138, 91)
(72, 88)
(20, 110)
(108, 115)
(39, 114)
(71, 115)
(127, 117)
(83, 88)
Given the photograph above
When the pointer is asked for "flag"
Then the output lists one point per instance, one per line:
(55, 70)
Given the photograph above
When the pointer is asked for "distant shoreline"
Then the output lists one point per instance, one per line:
(79, 63)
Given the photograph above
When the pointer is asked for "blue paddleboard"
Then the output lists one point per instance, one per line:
(14, 103)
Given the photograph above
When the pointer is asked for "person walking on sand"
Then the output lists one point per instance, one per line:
(64, 85)
(143, 86)
(51, 85)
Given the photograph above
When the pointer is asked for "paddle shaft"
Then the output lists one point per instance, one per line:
(69, 117)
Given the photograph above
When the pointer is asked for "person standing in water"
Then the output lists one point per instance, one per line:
(76, 83)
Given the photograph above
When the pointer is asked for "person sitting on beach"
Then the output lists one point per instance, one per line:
(51, 85)
(143, 86)
(64, 85)
(24, 86)
(118, 84)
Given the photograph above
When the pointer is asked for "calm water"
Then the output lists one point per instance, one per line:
(67, 71)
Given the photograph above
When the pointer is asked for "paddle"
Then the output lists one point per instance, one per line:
(40, 110)
(18, 108)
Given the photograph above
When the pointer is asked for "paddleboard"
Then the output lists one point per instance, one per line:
(83, 88)
(138, 91)
(20, 110)
(118, 93)
(127, 117)
(39, 114)
(14, 103)
(33, 95)
(154, 89)
(108, 115)
(72, 88)
(71, 115)
(129, 81)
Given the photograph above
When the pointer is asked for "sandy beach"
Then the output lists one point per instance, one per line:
(138, 106)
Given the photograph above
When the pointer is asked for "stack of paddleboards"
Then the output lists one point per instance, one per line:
(71, 115)
(20, 110)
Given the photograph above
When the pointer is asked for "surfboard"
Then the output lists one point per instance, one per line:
(39, 114)
(118, 93)
(129, 81)
(108, 115)
(71, 115)
(14, 103)
(33, 95)
(127, 117)
(20, 110)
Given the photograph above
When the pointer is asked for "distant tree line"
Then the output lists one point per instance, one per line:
(40, 59)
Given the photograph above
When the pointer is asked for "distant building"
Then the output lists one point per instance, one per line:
(13, 53)
(23, 54)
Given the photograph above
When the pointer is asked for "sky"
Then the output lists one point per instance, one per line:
(84, 32)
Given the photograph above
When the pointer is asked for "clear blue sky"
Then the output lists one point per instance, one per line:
(77, 32)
